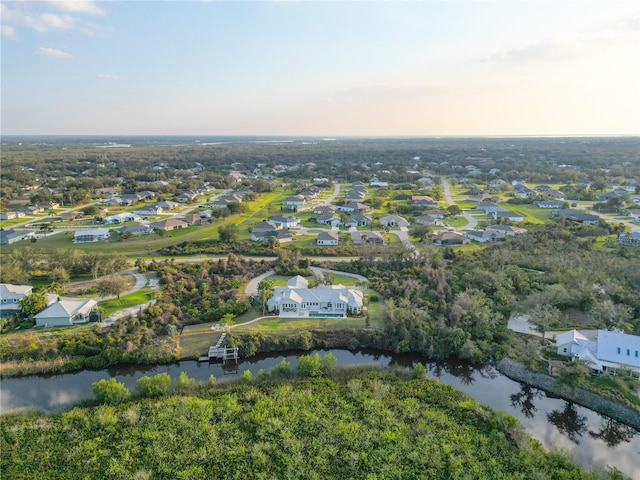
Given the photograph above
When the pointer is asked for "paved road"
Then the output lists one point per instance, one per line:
(471, 221)
(336, 192)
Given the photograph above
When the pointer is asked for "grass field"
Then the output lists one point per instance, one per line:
(126, 301)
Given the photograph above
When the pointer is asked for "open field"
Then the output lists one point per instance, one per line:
(126, 301)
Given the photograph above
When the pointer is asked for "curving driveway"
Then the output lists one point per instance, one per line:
(471, 221)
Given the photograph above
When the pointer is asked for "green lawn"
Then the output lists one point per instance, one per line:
(532, 213)
(287, 326)
(14, 221)
(126, 301)
(195, 340)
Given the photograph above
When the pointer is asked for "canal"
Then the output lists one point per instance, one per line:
(591, 438)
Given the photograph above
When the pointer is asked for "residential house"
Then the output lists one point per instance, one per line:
(355, 195)
(425, 203)
(427, 220)
(378, 184)
(510, 216)
(575, 216)
(358, 220)
(194, 219)
(221, 203)
(488, 208)
(525, 192)
(542, 188)
(353, 207)
(283, 236)
(232, 197)
(285, 221)
(114, 202)
(631, 239)
(296, 299)
(169, 224)
(70, 216)
(327, 238)
(367, 238)
(329, 220)
(146, 194)
(66, 312)
(93, 235)
(167, 205)
(265, 226)
(9, 236)
(572, 342)
(106, 192)
(8, 215)
(435, 213)
(121, 218)
(394, 221)
(609, 352)
(237, 176)
(10, 296)
(293, 203)
(130, 199)
(309, 193)
(555, 195)
(549, 204)
(507, 230)
(450, 238)
(324, 209)
(186, 196)
(135, 230)
(484, 236)
(634, 214)
(149, 211)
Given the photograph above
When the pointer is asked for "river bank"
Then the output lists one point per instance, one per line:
(516, 371)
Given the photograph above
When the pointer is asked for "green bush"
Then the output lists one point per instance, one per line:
(184, 382)
(282, 370)
(154, 386)
(110, 391)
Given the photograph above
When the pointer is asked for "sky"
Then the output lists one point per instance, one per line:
(320, 68)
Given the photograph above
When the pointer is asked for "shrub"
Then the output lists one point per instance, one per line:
(283, 369)
(110, 391)
(419, 371)
(184, 382)
(246, 376)
(154, 386)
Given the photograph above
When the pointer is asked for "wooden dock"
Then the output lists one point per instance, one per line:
(221, 352)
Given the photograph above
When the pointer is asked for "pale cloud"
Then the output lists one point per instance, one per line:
(41, 22)
(31, 15)
(77, 6)
(108, 76)
(572, 45)
(52, 52)
(7, 31)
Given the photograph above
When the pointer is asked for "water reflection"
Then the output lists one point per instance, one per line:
(524, 400)
(569, 422)
(613, 433)
(462, 371)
